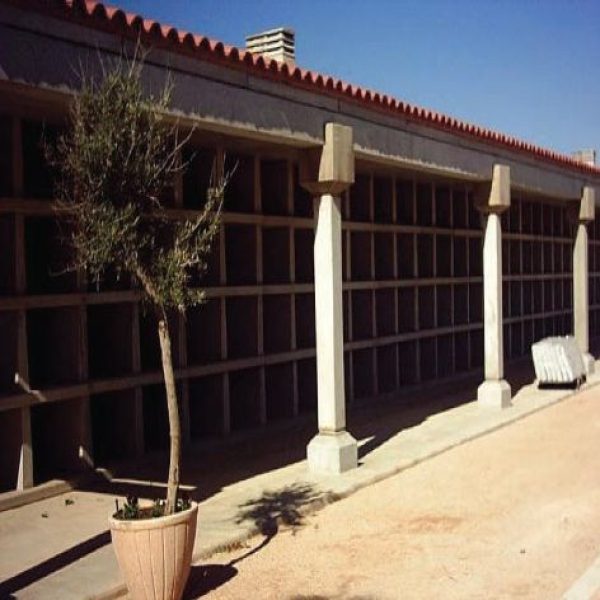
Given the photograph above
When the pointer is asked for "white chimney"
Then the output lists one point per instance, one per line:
(278, 44)
(585, 156)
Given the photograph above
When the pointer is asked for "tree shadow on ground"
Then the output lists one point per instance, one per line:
(267, 513)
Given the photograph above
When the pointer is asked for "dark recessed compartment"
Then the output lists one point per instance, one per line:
(360, 246)
(362, 362)
(305, 320)
(203, 332)
(406, 309)
(443, 207)
(8, 276)
(360, 198)
(405, 202)
(239, 193)
(9, 355)
(6, 157)
(244, 394)
(385, 310)
(384, 256)
(277, 323)
(386, 368)
(38, 177)
(109, 331)
(206, 406)
(274, 187)
(276, 255)
(48, 257)
(53, 342)
(279, 383)
(113, 425)
(425, 256)
(242, 334)
(426, 308)
(443, 255)
(406, 255)
(304, 259)
(383, 198)
(307, 385)
(197, 176)
(240, 254)
(424, 204)
(362, 314)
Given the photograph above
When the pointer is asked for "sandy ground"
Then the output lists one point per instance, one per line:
(515, 514)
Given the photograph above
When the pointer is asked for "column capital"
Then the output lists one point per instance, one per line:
(494, 196)
(587, 205)
(329, 169)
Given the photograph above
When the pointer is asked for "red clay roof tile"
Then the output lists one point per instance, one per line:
(110, 18)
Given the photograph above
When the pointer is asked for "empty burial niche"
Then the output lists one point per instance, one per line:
(37, 174)
(279, 384)
(538, 296)
(9, 355)
(475, 257)
(405, 214)
(203, 333)
(506, 299)
(424, 204)
(240, 254)
(360, 248)
(109, 340)
(6, 158)
(242, 326)
(460, 257)
(11, 435)
(407, 362)
(515, 298)
(461, 351)
(57, 433)
(150, 357)
(384, 256)
(516, 339)
(362, 314)
(475, 217)
(48, 257)
(443, 256)
(443, 207)
(461, 304)
(274, 187)
(445, 366)
(383, 199)
(476, 343)
(239, 193)
(360, 198)
(428, 359)
(156, 417)
(277, 326)
(425, 256)
(113, 424)
(527, 297)
(53, 346)
(197, 175)
(385, 311)
(276, 254)
(303, 202)
(426, 307)
(386, 368)
(206, 406)
(8, 283)
(444, 305)
(405, 244)
(459, 209)
(305, 320)
(362, 363)
(303, 259)
(527, 257)
(514, 216)
(307, 385)
(475, 303)
(406, 309)
(244, 390)
(515, 257)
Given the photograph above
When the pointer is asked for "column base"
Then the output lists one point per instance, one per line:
(494, 394)
(588, 363)
(332, 453)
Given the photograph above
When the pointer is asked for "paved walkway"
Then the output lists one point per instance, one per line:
(59, 548)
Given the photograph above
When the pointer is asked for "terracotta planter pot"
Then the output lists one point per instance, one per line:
(155, 555)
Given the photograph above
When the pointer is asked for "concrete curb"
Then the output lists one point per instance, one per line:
(331, 497)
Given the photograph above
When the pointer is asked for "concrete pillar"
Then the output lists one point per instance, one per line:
(494, 391)
(581, 277)
(326, 174)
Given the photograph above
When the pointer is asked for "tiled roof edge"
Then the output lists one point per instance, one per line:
(112, 19)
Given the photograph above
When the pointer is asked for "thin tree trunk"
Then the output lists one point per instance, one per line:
(174, 424)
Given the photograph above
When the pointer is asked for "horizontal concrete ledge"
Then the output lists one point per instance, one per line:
(342, 486)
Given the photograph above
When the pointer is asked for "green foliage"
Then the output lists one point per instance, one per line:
(114, 163)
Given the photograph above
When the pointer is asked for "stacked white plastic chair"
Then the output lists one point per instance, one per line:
(557, 360)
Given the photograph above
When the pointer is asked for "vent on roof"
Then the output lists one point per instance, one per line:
(585, 156)
(276, 43)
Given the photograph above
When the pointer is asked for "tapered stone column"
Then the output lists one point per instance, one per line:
(494, 391)
(586, 214)
(326, 174)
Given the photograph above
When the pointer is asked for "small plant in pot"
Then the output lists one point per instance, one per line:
(116, 159)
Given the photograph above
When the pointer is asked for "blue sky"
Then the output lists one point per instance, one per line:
(529, 68)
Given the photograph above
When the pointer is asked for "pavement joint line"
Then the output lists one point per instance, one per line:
(497, 420)
(585, 587)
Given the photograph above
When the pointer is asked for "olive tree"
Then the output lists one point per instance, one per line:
(114, 162)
